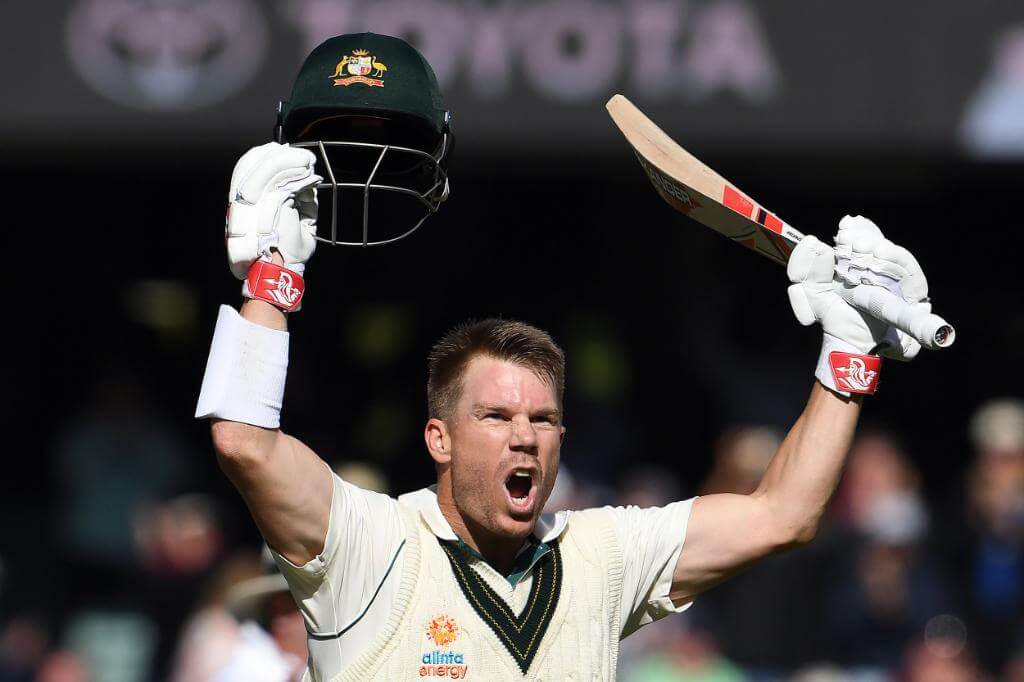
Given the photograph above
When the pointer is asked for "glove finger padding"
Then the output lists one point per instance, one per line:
(245, 164)
(810, 264)
(865, 256)
(855, 243)
(272, 206)
(895, 258)
(801, 305)
(811, 268)
(296, 237)
(273, 167)
(811, 261)
(299, 249)
(858, 234)
(253, 230)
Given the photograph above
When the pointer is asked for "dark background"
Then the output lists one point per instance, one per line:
(673, 334)
(697, 331)
(580, 247)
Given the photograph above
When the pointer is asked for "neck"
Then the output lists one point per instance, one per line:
(498, 551)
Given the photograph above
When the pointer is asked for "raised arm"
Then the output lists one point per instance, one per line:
(286, 486)
(726, 532)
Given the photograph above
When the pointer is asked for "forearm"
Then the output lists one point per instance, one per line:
(804, 473)
(236, 440)
(285, 485)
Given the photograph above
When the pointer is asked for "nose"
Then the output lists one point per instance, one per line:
(524, 436)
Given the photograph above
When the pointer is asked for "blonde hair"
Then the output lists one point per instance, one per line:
(510, 340)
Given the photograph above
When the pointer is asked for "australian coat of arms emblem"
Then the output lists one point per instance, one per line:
(360, 67)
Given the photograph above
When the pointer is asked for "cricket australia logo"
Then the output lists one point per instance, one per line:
(283, 290)
(856, 375)
(441, 632)
(361, 67)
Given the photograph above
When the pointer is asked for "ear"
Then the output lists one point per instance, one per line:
(438, 440)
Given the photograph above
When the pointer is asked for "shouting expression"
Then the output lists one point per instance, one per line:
(500, 449)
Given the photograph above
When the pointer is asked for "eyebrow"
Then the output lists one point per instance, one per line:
(497, 407)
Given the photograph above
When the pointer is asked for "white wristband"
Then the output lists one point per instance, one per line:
(245, 373)
(844, 369)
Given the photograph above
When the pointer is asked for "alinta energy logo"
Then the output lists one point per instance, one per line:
(166, 55)
(442, 631)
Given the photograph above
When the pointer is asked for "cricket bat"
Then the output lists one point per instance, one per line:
(694, 189)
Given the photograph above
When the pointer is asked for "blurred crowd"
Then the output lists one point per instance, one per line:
(154, 584)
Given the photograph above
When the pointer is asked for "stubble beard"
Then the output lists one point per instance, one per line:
(473, 494)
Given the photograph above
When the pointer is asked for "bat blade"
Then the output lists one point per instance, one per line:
(694, 189)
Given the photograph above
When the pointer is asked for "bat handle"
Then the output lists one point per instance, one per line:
(930, 330)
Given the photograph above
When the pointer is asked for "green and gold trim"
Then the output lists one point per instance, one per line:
(521, 635)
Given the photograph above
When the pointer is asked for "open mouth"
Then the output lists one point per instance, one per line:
(519, 486)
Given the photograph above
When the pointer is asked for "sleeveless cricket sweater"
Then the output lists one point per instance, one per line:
(445, 620)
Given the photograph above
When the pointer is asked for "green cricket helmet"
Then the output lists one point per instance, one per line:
(370, 108)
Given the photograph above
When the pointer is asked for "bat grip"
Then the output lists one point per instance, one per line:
(930, 330)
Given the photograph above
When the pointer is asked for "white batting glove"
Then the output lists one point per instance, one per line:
(845, 364)
(862, 257)
(272, 207)
(865, 257)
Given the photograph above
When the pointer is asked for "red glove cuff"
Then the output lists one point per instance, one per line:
(276, 285)
(855, 373)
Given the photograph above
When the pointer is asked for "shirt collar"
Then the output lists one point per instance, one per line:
(548, 527)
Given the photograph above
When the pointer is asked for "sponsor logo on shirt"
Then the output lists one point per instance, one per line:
(442, 631)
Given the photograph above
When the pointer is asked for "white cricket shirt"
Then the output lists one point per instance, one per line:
(345, 594)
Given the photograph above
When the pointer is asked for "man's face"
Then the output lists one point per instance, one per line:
(506, 432)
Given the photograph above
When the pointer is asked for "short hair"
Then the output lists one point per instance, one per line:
(509, 340)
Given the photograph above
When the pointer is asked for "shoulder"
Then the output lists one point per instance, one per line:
(632, 524)
(349, 494)
(592, 531)
(630, 514)
(588, 518)
(362, 524)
